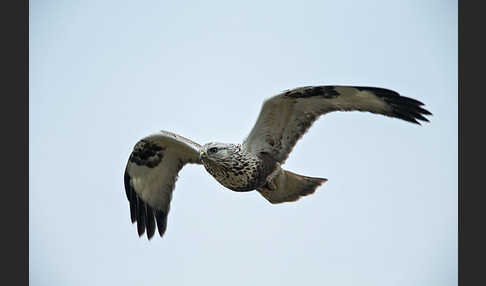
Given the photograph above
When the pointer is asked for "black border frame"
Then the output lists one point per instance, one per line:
(15, 143)
(471, 48)
(16, 139)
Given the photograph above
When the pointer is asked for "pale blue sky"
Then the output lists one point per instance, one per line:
(104, 74)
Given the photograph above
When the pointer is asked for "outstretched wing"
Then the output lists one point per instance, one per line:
(150, 176)
(285, 117)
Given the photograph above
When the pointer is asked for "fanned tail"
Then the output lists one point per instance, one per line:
(289, 187)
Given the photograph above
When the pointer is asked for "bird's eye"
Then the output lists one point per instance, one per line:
(212, 150)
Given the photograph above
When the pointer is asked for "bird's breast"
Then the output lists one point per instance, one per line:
(238, 175)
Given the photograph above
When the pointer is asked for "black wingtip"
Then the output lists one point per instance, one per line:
(421, 117)
(146, 217)
(140, 217)
(403, 107)
(133, 210)
(424, 111)
(161, 218)
(150, 222)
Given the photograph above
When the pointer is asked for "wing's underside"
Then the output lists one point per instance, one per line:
(150, 177)
(285, 118)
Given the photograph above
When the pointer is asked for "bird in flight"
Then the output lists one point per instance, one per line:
(256, 163)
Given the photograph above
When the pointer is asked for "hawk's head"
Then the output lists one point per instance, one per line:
(217, 152)
(229, 165)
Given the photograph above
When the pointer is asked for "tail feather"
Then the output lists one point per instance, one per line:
(289, 187)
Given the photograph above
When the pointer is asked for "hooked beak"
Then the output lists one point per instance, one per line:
(202, 153)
